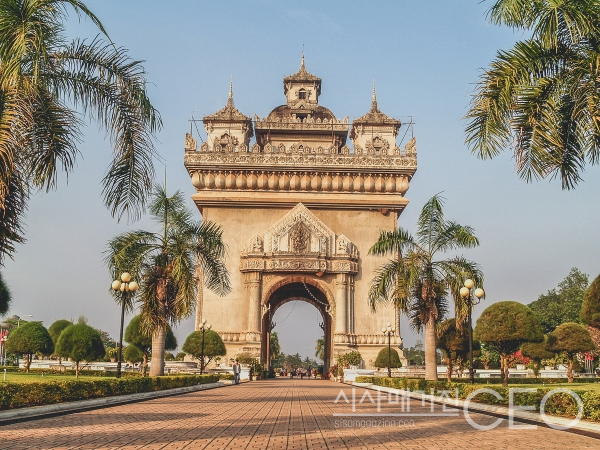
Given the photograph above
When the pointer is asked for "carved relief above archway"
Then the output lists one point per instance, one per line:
(300, 242)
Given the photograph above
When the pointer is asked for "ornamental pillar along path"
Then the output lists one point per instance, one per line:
(299, 210)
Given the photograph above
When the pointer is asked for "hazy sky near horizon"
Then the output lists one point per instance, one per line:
(425, 56)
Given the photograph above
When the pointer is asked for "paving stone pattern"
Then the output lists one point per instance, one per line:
(277, 414)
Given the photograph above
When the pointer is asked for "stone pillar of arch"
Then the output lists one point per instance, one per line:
(253, 285)
(341, 304)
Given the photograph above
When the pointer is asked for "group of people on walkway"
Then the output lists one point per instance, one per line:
(299, 372)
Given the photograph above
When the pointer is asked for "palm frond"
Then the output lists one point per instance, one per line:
(131, 252)
(111, 87)
(451, 236)
(431, 221)
(394, 242)
(210, 254)
(541, 96)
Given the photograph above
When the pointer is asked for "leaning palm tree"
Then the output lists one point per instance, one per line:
(416, 282)
(47, 86)
(541, 97)
(166, 265)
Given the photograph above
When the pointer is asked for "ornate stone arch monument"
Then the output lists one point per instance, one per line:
(299, 211)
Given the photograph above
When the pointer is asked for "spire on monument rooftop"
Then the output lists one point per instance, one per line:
(229, 112)
(230, 99)
(374, 107)
(374, 116)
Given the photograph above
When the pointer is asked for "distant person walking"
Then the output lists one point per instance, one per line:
(236, 372)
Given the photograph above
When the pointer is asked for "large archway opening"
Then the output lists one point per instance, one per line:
(291, 290)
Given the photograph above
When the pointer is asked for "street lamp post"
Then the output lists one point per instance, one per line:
(388, 330)
(125, 285)
(204, 327)
(465, 292)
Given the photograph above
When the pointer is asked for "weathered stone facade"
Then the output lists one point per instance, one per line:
(299, 211)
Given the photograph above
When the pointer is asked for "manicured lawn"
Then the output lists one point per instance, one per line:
(15, 377)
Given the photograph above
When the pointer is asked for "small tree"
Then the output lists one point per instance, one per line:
(133, 354)
(80, 342)
(536, 351)
(169, 356)
(505, 326)
(590, 309)
(55, 329)
(213, 346)
(344, 360)
(180, 356)
(135, 336)
(453, 343)
(29, 339)
(382, 359)
(570, 338)
(245, 358)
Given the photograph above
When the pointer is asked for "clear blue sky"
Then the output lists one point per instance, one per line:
(425, 56)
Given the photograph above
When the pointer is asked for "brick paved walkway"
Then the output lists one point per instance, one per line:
(275, 414)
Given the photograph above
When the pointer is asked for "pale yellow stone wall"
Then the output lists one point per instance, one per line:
(240, 225)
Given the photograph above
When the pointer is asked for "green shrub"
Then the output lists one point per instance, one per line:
(226, 376)
(364, 379)
(382, 359)
(20, 395)
(71, 372)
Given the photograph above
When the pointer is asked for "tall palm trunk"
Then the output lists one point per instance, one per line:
(430, 356)
(157, 366)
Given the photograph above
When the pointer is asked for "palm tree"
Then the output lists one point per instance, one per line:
(320, 348)
(47, 86)
(274, 345)
(541, 97)
(167, 264)
(418, 284)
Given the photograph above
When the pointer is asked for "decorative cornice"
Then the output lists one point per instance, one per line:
(289, 123)
(300, 157)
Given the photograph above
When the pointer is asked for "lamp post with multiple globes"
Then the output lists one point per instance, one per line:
(126, 286)
(204, 327)
(388, 330)
(465, 292)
